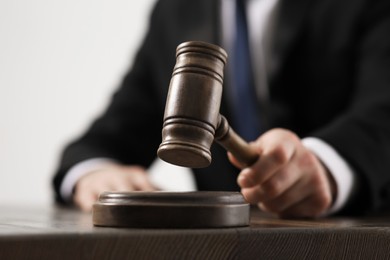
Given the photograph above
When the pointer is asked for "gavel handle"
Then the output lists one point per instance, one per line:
(232, 142)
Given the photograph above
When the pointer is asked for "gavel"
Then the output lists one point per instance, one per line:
(192, 120)
(191, 123)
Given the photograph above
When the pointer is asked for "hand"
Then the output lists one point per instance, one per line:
(287, 179)
(111, 178)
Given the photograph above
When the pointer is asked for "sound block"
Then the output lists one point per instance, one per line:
(171, 210)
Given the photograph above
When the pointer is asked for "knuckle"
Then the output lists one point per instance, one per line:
(325, 201)
(308, 161)
(279, 155)
(272, 188)
(138, 178)
(321, 203)
(250, 196)
(317, 180)
(136, 169)
(285, 135)
(289, 135)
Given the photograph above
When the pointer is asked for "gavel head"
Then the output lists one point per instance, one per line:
(192, 106)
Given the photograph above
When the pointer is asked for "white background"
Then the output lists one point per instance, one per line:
(60, 61)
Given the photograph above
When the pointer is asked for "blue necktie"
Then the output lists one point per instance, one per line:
(246, 117)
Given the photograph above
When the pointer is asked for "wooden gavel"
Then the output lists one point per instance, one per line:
(191, 123)
(192, 119)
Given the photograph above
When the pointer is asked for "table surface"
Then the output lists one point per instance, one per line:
(63, 233)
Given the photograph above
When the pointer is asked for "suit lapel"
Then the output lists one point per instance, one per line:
(291, 14)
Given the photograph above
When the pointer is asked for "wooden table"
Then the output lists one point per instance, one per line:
(58, 233)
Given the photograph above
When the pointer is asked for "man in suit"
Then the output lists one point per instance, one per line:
(324, 143)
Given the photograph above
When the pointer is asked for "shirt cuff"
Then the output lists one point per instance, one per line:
(79, 170)
(338, 167)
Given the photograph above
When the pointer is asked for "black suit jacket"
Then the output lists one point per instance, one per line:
(329, 78)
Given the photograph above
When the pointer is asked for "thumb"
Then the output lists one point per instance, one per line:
(234, 161)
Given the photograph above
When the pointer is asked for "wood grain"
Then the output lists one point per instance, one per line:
(56, 233)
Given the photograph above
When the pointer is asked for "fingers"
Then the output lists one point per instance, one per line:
(311, 206)
(274, 187)
(85, 194)
(234, 161)
(113, 178)
(138, 180)
(277, 150)
(287, 179)
(301, 200)
(84, 199)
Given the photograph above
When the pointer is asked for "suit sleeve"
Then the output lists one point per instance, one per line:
(362, 133)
